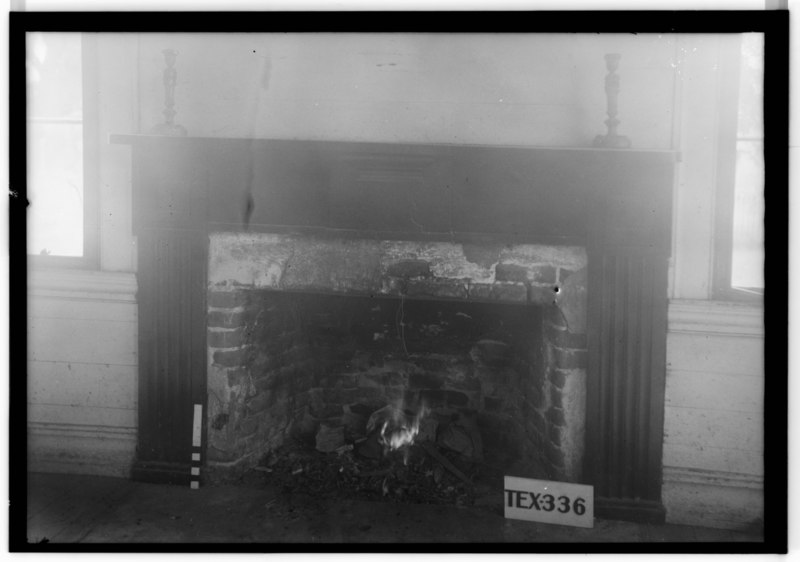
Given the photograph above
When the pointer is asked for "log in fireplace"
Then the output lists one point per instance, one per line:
(524, 286)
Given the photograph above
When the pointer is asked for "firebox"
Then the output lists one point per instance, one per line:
(503, 302)
(313, 338)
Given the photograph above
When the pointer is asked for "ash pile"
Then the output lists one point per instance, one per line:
(396, 455)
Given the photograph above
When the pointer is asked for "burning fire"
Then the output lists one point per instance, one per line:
(398, 431)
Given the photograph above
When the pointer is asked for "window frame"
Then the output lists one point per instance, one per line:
(91, 232)
(727, 139)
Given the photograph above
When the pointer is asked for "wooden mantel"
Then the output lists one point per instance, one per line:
(616, 203)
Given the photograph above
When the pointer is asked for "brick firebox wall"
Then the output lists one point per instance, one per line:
(284, 362)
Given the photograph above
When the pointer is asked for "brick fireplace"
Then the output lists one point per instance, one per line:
(311, 336)
(288, 285)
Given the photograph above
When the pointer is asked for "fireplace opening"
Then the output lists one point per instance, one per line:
(402, 395)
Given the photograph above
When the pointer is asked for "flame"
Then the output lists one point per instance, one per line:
(401, 432)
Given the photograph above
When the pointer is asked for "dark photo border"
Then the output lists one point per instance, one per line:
(775, 24)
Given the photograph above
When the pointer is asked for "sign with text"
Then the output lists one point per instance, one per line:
(558, 503)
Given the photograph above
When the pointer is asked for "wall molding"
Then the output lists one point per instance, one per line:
(83, 285)
(81, 449)
(715, 478)
(716, 317)
(86, 431)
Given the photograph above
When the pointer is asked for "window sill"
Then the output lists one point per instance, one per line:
(717, 317)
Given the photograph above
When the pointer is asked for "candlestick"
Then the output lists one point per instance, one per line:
(612, 139)
(169, 127)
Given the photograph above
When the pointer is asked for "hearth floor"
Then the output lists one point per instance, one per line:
(93, 509)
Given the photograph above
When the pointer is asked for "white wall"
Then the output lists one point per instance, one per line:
(496, 89)
(713, 427)
(447, 88)
(82, 374)
(714, 412)
(82, 331)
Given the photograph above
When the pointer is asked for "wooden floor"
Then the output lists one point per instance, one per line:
(95, 509)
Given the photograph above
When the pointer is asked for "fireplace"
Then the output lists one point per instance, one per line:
(309, 337)
(295, 288)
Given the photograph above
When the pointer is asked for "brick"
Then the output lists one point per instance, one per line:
(555, 416)
(534, 435)
(563, 274)
(260, 402)
(554, 435)
(436, 288)
(422, 381)
(265, 383)
(237, 375)
(328, 438)
(510, 272)
(543, 295)
(361, 362)
(432, 398)
(526, 408)
(555, 397)
(219, 455)
(345, 380)
(502, 292)
(394, 393)
(319, 407)
(248, 425)
(469, 383)
(400, 366)
(554, 455)
(539, 423)
(431, 364)
(225, 319)
(264, 362)
(536, 398)
(554, 316)
(227, 338)
(569, 358)
(301, 399)
(228, 299)
(355, 424)
(564, 338)
(409, 269)
(543, 274)
(394, 379)
(493, 404)
(393, 286)
(412, 397)
(558, 378)
(233, 357)
(219, 422)
(373, 380)
(537, 377)
(457, 399)
(362, 394)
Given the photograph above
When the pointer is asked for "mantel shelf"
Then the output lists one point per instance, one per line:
(133, 139)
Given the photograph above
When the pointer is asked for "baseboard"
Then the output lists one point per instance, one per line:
(723, 500)
(702, 477)
(161, 473)
(80, 449)
(638, 511)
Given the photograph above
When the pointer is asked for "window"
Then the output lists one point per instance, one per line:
(61, 221)
(739, 249)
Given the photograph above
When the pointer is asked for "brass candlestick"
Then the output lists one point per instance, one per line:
(169, 127)
(612, 139)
